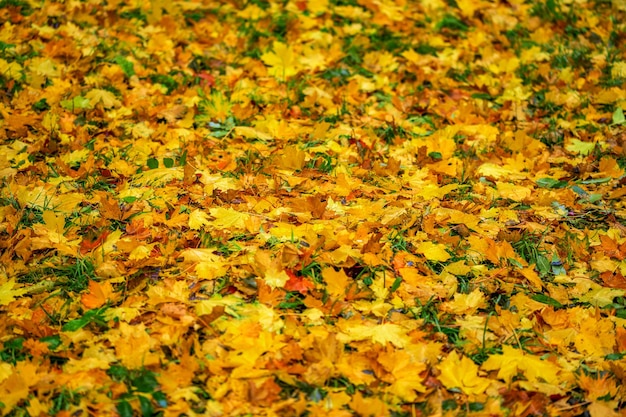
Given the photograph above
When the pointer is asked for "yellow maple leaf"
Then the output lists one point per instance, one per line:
(8, 292)
(205, 307)
(198, 219)
(105, 97)
(291, 158)
(462, 373)
(579, 147)
(98, 295)
(336, 281)
(141, 252)
(466, 303)
(513, 361)
(382, 333)
(512, 191)
(133, 346)
(405, 372)
(430, 191)
(601, 296)
(433, 251)
(603, 409)
(226, 218)
(281, 61)
(276, 278)
(11, 70)
(158, 177)
(169, 291)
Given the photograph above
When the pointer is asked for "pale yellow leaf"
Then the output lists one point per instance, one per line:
(337, 282)
(105, 97)
(601, 296)
(8, 292)
(462, 373)
(275, 278)
(281, 61)
(579, 147)
(226, 218)
(198, 219)
(433, 251)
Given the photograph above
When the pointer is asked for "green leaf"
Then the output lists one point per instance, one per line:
(448, 405)
(596, 180)
(91, 316)
(476, 406)
(76, 324)
(452, 23)
(77, 103)
(152, 163)
(118, 373)
(543, 265)
(551, 183)
(542, 298)
(53, 341)
(41, 105)
(160, 398)
(580, 147)
(145, 382)
(482, 96)
(396, 284)
(579, 191)
(124, 409)
(593, 198)
(127, 66)
(168, 162)
(166, 81)
(130, 199)
(146, 407)
(618, 116)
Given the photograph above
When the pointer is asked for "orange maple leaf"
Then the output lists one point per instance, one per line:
(298, 283)
(98, 295)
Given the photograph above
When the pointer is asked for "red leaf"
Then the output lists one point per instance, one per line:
(296, 283)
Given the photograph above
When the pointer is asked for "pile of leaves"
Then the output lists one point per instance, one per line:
(312, 208)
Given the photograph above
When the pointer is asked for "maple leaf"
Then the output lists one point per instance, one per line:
(405, 373)
(298, 283)
(133, 346)
(513, 361)
(8, 292)
(198, 219)
(579, 147)
(11, 70)
(601, 296)
(104, 97)
(98, 295)
(433, 251)
(466, 303)
(383, 334)
(276, 278)
(462, 373)
(336, 282)
(384, 183)
(227, 217)
(281, 61)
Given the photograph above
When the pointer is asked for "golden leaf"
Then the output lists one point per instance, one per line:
(198, 219)
(8, 292)
(281, 61)
(462, 373)
(433, 251)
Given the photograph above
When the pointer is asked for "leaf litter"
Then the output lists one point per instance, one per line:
(329, 208)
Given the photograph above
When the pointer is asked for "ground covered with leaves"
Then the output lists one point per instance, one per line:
(312, 208)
